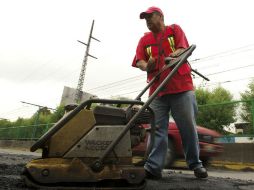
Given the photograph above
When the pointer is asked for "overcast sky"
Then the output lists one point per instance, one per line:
(39, 52)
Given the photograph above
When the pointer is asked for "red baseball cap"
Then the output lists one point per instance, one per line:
(149, 11)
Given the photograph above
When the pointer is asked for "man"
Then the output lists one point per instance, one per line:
(177, 96)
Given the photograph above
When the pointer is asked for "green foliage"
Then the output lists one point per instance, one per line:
(246, 107)
(57, 114)
(16, 129)
(214, 114)
(33, 127)
(5, 123)
(202, 96)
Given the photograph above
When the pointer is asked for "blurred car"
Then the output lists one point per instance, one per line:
(209, 147)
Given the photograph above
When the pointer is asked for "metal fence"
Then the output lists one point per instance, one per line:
(30, 132)
(33, 132)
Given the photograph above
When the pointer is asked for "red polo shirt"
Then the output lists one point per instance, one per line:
(165, 42)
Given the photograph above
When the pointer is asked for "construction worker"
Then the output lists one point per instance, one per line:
(177, 97)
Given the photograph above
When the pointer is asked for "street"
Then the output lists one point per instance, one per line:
(13, 161)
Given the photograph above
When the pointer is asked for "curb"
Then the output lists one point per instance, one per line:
(233, 165)
(240, 166)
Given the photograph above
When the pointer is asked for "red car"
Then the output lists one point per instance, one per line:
(207, 141)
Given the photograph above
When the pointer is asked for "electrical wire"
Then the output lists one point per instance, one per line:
(223, 54)
(127, 81)
(228, 81)
(113, 84)
(214, 56)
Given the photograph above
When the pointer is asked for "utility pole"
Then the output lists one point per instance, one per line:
(78, 94)
(37, 116)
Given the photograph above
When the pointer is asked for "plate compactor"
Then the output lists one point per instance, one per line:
(91, 146)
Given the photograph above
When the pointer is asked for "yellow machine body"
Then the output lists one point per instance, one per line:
(70, 151)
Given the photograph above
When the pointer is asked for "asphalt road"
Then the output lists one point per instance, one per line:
(12, 163)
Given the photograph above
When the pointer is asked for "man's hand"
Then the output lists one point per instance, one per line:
(150, 64)
(147, 66)
(177, 52)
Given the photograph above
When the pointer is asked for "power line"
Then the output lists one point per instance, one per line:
(18, 111)
(228, 81)
(230, 70)
(110, 85)
(215, 83)
(126, 80)
(222, 54)
(36, 69)
(13, 111)
(127, 93)
(107, 87)
(217, 55)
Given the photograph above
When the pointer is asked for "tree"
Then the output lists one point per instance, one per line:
(213, 112)
(246, 107)
(4, 123)
(57, 114)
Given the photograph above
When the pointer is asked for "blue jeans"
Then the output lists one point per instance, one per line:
(183, 108)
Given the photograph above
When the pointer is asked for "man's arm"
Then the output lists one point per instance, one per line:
(146, 66)
(150, 64)
(177, 52)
